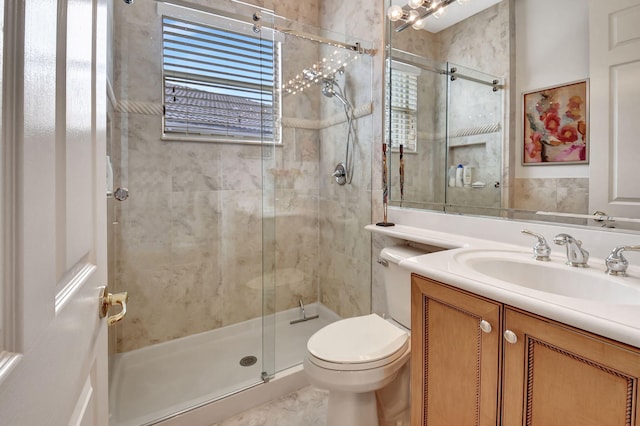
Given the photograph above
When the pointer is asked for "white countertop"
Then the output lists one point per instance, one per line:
(619, 322)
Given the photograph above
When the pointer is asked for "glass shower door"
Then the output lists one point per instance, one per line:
(187, 244)
(474, 139)
(271, 138)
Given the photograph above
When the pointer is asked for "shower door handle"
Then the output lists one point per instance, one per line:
(107, 300)
(121, 194)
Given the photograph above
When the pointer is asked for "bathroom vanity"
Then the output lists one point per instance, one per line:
(478, 361)
(500, 338)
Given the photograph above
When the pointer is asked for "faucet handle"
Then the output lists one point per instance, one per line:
(541, 249)
(616, 263)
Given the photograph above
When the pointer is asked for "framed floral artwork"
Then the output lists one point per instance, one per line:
(556, 125)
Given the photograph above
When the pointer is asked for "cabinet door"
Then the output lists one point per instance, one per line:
(555, 375)
(454, 363)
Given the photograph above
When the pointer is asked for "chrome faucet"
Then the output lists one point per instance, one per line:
(576, 255)
(616, 263)
(541, 249)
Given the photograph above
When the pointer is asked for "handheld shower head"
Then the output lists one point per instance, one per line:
(328, 89)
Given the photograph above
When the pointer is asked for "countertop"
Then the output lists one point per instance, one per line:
(620, 322)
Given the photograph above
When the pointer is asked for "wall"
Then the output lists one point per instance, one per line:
(545, 61)
(345, 261)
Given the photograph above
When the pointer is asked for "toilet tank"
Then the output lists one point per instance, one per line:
(397, 282)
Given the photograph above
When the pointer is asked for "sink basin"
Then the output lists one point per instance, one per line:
(551, 277)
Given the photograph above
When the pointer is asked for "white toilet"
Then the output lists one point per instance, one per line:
(354, 357)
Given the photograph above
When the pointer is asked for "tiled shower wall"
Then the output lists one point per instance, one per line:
(345, 257)
(188, 241)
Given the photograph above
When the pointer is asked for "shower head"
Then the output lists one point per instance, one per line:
(327, 88)
(310, 74)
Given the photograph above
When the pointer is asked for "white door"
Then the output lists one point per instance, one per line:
(53, 368)
(614, 43)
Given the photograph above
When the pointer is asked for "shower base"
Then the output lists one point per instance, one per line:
(158, 381)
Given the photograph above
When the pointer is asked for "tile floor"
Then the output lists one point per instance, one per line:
(307, 407)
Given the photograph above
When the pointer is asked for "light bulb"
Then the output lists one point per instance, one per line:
(439, 12)
(412, 16)
(419, 24)
(395, 13)
(414, 4)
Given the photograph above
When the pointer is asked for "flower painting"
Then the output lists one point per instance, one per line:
(555, 125)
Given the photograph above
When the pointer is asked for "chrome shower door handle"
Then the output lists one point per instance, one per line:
(107, 300)
(121, 194)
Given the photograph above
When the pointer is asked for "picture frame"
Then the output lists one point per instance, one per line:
(556, 125)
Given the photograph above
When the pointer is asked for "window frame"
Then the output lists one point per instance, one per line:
(406, 72)
(231, 23)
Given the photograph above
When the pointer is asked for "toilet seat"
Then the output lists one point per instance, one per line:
(358, 343)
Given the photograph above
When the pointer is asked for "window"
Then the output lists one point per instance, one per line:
(402, 107)
(218, 84)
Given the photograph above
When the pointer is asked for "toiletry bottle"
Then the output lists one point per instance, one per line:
(467, 175)
(459, 173)
(451, 176)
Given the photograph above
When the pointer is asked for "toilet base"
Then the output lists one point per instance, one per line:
(353, 409)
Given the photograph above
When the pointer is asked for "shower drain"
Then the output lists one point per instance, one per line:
(248, 361)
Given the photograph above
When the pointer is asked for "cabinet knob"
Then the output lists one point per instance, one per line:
(510, 336)
(485, 326)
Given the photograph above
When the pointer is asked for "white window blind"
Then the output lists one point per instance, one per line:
(218, 83)
(402, 110)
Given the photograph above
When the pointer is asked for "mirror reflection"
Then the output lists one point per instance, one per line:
(457, 158)
(459, 122)
(445, 124)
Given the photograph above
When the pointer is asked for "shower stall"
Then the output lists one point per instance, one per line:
(235, 241)
(451, 115)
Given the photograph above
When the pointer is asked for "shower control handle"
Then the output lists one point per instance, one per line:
(340, 174)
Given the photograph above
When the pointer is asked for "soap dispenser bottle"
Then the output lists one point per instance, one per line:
(451, 176)
(459, 175)
(467, 175)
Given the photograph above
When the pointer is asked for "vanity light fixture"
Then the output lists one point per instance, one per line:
(397, 13)
(419, 11)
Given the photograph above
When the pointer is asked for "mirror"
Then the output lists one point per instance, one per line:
(503, 42)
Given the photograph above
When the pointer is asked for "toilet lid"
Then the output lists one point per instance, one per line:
(357, 340)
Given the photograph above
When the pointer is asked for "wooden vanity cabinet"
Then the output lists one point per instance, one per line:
(557, 375)
(455, 366)
(549, 375)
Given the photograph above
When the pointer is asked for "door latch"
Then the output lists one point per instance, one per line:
(107, 300)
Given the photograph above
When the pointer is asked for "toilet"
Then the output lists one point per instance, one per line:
(355, 357)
